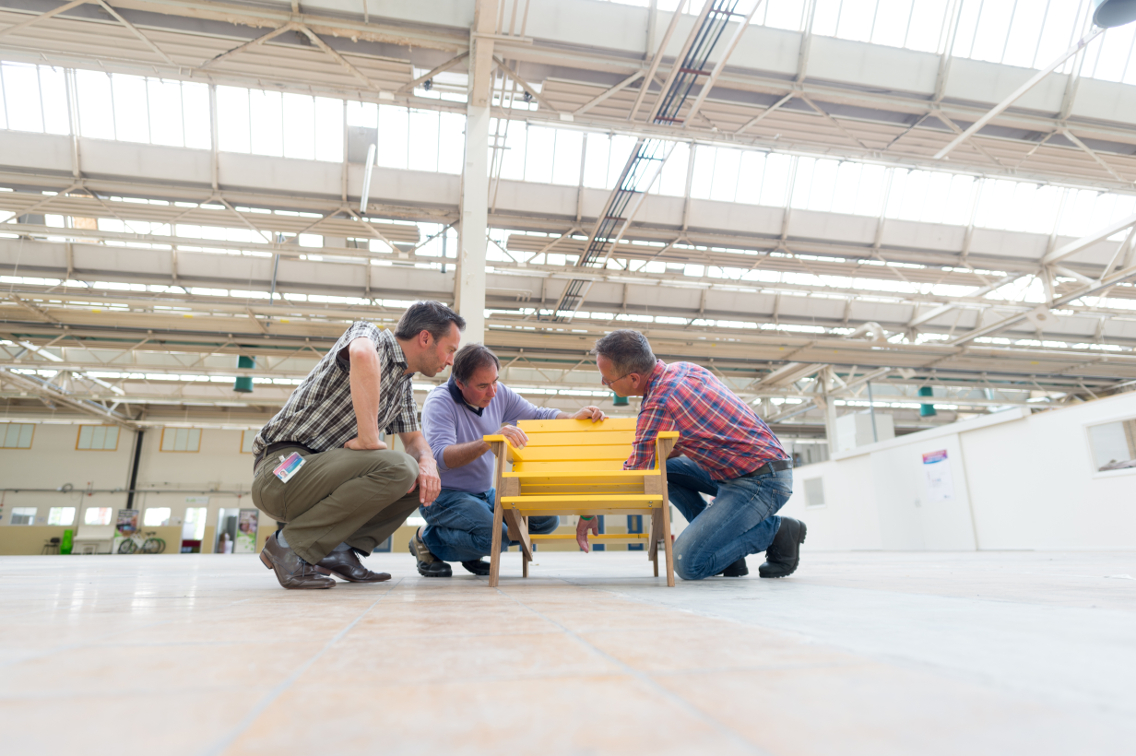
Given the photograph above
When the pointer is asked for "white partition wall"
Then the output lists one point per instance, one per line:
(1010, 480)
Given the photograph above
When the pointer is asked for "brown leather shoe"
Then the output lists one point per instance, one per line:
(290, 569)
(345, 565)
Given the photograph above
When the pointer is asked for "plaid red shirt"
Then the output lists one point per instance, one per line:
(719, 431)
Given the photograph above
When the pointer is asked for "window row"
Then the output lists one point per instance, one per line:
(1022, 33)
(105, 438)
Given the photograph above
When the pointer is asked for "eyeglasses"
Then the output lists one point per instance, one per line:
(608, 383)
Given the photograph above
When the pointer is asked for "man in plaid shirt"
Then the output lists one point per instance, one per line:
(320, 465)
(725, 450)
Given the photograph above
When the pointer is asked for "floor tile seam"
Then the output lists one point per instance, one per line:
(683, 704)
(92, 641)
(235, 732)
(647, 600)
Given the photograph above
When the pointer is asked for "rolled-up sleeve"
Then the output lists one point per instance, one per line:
(359, 329)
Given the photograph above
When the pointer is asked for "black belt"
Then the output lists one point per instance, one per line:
(770, 467)
(273, 448)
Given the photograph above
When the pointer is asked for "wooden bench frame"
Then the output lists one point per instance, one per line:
(649, 499)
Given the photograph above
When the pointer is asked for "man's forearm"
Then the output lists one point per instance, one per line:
(459, 455)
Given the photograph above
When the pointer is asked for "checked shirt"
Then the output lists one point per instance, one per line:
(319, 413)
(718, 430)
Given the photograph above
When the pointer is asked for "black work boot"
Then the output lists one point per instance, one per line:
(736, 569)
(428, 564)
(784, 554)
(477, 566)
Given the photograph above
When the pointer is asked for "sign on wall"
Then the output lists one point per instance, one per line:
(127, 523)
(246, 532)
(937, 469)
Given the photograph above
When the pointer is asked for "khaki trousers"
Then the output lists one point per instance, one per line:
(338, 496)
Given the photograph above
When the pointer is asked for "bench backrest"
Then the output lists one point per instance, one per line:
(576, 445)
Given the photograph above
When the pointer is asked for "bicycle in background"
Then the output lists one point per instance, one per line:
(142, 543)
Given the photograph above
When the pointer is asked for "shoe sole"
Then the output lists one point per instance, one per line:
(800, 540)
(331, 573)
(318, 586)
(414, 553)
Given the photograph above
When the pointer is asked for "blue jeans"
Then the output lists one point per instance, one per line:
(459, 525)
(742, 520)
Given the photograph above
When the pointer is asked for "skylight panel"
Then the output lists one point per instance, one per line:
(776, 179)
(784, 14)
(451, 143)
(538, 155)
(233, 125)
(566, 158)
(131, 121)
(725, 182)
(422, 152)
(392, 141)
(598, 152)
(166, 123)
(889, 26)
(702, 178)
(53, 86)
(299, 122)
(21, 97)
(266, 116)
(925, 27)
(1113, 53)
(672, 179)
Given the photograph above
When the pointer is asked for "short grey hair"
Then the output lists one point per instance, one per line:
(471, 358)
(429, 316)
(628, 350)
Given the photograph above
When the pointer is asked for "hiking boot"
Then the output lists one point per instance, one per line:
(784, 554)
(428, 564)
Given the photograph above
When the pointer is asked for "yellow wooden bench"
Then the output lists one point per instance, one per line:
(575, 467)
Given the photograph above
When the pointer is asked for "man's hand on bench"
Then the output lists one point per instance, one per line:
(517, 437)
(595, 414)
(582, 528)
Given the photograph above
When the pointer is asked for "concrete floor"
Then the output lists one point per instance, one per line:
(860, 653)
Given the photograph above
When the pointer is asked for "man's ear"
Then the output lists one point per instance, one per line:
(424, 338)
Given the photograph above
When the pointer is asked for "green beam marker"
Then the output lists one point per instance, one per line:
(619, 401)
(927, 410)
(243, 384)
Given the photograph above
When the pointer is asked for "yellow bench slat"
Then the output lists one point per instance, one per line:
(590, 498)
(584, 466)
(568, 453)
(609, 537)
(545, 426)
(554, 475)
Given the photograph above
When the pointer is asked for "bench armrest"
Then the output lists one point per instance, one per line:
(512, 451)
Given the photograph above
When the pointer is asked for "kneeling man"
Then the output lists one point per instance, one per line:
(459, 524)
(730, 453)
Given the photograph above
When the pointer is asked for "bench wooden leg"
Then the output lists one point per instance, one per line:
(495, 552)
(656, 536)
(667, 543)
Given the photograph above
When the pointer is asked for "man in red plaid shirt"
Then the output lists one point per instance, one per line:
(725, 450)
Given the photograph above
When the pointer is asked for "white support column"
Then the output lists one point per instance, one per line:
(469, 281)
(469, 296)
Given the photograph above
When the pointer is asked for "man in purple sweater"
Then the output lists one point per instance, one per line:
(455, 416)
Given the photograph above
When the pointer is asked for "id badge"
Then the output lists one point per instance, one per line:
(286, 469)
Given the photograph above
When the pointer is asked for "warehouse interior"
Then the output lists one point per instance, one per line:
(902, 231)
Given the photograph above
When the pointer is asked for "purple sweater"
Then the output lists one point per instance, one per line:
(447, 422)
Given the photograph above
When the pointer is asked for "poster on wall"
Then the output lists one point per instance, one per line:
(246, 532)
(937, 469)
(127, 523)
